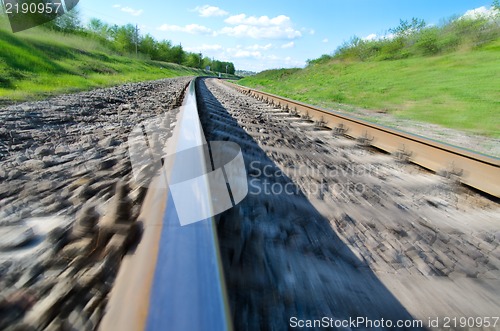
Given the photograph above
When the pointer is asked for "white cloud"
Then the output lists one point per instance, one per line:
(262, 27)
(190, 28)
(481, 12)
(370, 37)
(272, 32)
(240, 53)
(214, 47)
(278, 62)
(374, 36)
(209, 11)
(280, 20)
(131, 11)
(288, 45)
(247, 54)
(309, 31)
(204, 47)
(324, 40)
(257, 47)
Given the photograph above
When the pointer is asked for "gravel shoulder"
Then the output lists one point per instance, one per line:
(68, 201)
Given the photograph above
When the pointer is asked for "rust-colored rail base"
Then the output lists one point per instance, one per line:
(475, 170)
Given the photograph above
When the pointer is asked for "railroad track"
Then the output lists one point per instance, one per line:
(305, 242)
(475, 170)
(174, 279)
(258, 264)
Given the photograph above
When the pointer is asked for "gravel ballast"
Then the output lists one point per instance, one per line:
(68, 201)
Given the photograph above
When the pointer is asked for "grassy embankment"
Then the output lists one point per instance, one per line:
(456, 89)
(37, 63)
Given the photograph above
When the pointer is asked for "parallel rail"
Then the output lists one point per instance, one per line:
(475, 170)
(174, 279)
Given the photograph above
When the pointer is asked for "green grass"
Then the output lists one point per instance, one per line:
(458, 90)
(38, 63)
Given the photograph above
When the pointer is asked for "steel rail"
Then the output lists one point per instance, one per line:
(174, 278)
(476, 170)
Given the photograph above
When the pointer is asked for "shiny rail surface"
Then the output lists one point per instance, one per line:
(473, 169)
(174, 279)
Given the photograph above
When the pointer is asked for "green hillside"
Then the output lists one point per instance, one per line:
(40, 62)
(457, 87)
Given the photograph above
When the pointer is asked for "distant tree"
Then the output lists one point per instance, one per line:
(124, 38)
(222, 67)
(177, 54)
(496, 5)
(405, 28)
(193, 60)
(163, 50)
(206, 62)
(148, 45)
(231, 69)
(216, 66)
(95, 25)
(111, 32)
(69, 22)
(101, 30)
(98, 28)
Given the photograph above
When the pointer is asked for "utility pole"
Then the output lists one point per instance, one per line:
(136, 39)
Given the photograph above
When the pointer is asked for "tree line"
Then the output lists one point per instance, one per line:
(416, 38)
(125, 39)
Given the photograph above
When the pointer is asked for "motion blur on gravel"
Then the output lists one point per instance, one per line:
(334, 228)
(330, 227)
(68, 204)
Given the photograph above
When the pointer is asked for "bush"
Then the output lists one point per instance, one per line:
(428, 41)
(414, 38)
(390, 49)
(322, 59)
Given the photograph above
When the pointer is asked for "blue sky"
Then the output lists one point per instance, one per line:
(257, 35)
